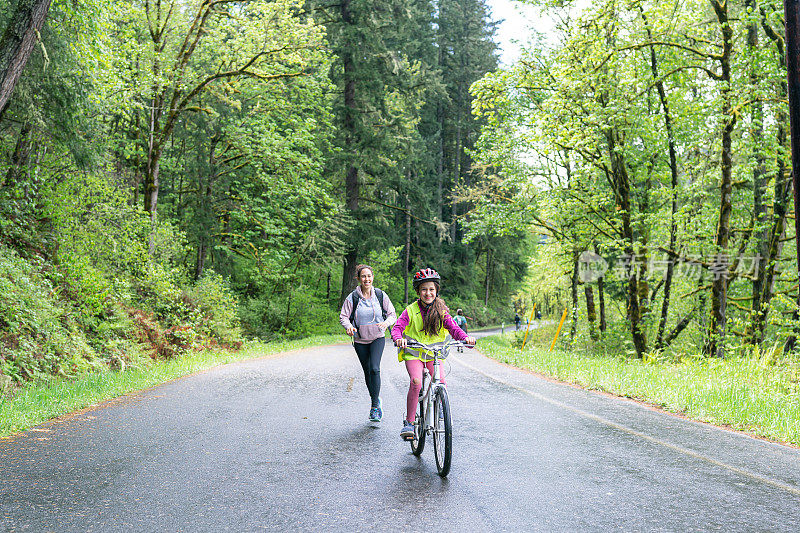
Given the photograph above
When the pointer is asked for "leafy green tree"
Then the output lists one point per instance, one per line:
(187, 49)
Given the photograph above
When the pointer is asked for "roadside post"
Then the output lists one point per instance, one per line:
(528, 327)
(563, 317)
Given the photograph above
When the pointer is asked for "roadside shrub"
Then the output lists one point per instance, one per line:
(314, 318)
(158, 291)
(262, 318)
(307, 315)
(100, 237)
(218, 307)
(37, 336)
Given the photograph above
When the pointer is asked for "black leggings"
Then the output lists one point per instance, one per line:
(370, 357)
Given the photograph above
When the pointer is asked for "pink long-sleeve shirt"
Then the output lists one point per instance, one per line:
(400, 326)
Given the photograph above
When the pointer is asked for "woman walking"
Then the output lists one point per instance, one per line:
(365, 315)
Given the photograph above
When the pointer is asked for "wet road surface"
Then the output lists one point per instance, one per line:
(283, 443)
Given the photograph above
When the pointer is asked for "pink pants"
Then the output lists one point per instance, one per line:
(414, 368)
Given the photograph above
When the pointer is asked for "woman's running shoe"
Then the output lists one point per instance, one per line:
(376, 413)
(407, 432)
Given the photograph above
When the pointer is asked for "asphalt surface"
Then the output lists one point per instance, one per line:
(283, 443)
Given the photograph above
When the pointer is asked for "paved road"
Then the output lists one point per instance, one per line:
(283, 443)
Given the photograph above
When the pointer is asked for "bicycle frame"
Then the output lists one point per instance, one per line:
(429, 386)
(431, 383)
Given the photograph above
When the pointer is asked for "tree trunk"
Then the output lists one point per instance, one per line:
(573, 329)
(152, 186)
(782, 193)
(715, 345)
(488, 275)
(205, 208)
(681, 325)
(622, 195)
(20, 157)
(328, 291)
(673, 167)
(760, 221)
(16, 46)
(288, 309)
(456, 181)
(137, 160)
(642, 279)
(200, 261)
(602, 299)
(591, 312)
(154, 148)
(351, 178)
(407, 256)
(440, 155)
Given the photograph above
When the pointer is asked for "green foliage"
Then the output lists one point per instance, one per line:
(218, 308)
(578, 142)
(289, 315)
(386, 265)
(37, 335)
(242, 142)
(99, 236)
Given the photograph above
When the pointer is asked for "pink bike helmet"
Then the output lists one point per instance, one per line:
(426, 274)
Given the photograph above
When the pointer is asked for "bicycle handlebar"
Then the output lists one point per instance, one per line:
(417, 344)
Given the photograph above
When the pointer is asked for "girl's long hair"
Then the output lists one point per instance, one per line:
(434, 320)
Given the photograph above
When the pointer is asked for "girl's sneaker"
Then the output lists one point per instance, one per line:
(407, 433)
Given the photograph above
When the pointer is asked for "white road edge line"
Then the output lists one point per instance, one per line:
(620, 427)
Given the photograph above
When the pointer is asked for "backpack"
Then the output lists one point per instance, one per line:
(354, 297)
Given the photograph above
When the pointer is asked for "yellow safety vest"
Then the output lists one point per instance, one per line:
(414, 332)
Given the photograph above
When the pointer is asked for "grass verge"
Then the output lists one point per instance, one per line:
(755, 394)
(38, 402)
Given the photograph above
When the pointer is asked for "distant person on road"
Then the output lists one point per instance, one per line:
(517, 320)
(461, 321)
(365, 315)
(428, 321)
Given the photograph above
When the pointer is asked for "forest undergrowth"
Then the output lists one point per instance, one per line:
(79, 293)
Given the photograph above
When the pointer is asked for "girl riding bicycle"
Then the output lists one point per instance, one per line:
(428, 321)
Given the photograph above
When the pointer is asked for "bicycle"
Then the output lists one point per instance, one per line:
(433, 413)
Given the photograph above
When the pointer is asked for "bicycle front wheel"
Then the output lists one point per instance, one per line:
(418, 442)
(442, 431)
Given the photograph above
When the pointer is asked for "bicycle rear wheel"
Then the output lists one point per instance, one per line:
(418, 442)
(442, 431)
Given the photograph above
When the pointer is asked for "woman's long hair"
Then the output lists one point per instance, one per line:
(434, 320)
